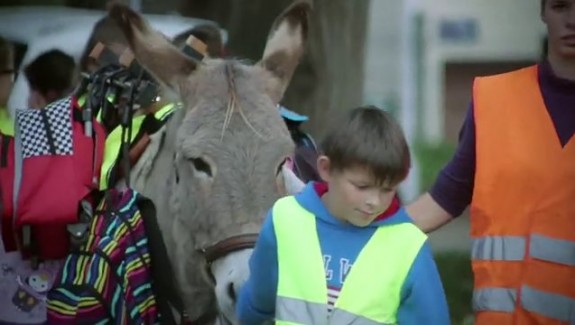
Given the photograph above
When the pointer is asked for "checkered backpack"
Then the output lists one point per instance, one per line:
(53, 166)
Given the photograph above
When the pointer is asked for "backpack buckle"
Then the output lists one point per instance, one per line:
(27, 246)
(79, 231)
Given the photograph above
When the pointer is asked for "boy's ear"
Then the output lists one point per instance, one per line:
(324, 167)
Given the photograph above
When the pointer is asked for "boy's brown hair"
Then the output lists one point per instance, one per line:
(6, 55)
(368, 137)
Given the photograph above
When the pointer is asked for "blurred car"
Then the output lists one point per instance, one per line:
(36, 29)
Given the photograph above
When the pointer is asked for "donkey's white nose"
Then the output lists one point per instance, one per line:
(230, 273)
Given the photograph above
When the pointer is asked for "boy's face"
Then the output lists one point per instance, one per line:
(559, 16)
(355, 197)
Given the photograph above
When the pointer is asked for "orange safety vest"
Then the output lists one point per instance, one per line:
(523, 207)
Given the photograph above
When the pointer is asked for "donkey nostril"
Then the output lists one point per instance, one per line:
(232, 292)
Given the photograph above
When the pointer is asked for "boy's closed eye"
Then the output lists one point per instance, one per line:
(387, 189)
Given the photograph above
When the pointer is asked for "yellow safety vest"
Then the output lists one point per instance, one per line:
(6, 122)
(371, 293)
(114, 142)
(82, 101)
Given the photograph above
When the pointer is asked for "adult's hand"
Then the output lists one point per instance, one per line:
(427, 214)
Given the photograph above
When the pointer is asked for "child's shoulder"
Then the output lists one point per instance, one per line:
(284, 201)
(288, 205)
(402, 227)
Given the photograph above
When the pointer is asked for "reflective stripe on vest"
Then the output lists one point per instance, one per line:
(82, 101)
(302, 287)
(544, 303)
(114, 142)
(514, 248)
(522, 215)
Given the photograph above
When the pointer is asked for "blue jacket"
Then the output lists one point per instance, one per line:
(422, 297)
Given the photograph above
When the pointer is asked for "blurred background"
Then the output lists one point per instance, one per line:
(414, 58)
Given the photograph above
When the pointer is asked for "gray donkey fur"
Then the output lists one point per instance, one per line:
(216, 167)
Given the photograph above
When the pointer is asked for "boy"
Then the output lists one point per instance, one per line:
(6, 84)
(343, 250)
(51, 77)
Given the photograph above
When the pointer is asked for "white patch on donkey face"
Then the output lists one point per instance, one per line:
(230, 272)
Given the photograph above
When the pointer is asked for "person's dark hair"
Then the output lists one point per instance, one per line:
(52, 70)
(305, 164)
(6, 55)
(368, 137)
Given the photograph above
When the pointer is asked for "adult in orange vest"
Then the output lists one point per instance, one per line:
(515, 167)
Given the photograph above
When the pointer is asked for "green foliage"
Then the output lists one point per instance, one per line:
(431, 158)
(457, 277)
(454, 267)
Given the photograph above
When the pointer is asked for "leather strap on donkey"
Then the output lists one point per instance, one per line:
(228, 245)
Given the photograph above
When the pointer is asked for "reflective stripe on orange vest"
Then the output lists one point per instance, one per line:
(522, 215)
(514, 248)
(503, 300)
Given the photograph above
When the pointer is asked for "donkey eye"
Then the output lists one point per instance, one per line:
(202, 166)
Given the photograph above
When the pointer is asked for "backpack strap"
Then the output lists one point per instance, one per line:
(163, 286)
(4, 154)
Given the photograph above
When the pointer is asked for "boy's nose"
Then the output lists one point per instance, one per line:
(373, 200)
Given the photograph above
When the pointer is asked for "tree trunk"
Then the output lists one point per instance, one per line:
(329, 80)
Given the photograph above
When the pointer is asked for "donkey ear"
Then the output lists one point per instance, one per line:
(285, 46)
(151, 49)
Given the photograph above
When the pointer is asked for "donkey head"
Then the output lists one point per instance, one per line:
(217, 169)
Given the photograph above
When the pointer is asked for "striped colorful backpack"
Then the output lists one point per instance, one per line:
(110, 278)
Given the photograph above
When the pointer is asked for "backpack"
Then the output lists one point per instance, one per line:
(6, 193)
(110, 278)
(48, 171)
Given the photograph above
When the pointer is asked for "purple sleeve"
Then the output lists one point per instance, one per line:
(453, 187)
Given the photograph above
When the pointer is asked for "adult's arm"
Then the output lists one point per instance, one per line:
(453, 189)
